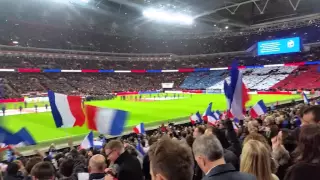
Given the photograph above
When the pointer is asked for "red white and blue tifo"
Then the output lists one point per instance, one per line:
(181, 70)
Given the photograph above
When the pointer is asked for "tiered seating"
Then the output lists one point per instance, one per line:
(257, 79)
(306, 77)
(202, 80)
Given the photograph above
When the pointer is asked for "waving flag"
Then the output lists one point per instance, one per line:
(26, 137)
(139, 129)
(212, 119)
(7, 137)
(236, 93)
(217, 114)
(18, 138)
(97, 144)
(106, 121)
(87, 142)
(305, 98)
(66, 110)
(236, 120)
(139, 148)
(259, 109)
(195, 118)
(207, 112)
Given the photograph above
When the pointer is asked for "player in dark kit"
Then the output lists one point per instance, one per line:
(20, 109)
(4, 110)
(36, 107)
(46, 106)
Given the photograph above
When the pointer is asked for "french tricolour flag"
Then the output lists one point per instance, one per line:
(87, 142)
(217, 114)
(139, 129)
(207, 112)
(66, 110)
(212, 119)
(305, 98)
(105, 120)
(236, 93)
(194, 118)
(259, 109)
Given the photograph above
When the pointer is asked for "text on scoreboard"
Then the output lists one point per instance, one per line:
(279, 46)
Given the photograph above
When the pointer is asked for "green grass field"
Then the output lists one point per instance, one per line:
(43, 129)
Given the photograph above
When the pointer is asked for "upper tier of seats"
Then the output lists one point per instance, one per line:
(306, 77)
(258, 79)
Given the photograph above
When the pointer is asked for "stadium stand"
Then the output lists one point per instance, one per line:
(72, 48)
(303, 78)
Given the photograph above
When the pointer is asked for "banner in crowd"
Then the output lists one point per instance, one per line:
(213, 91)
(36, 99)
(167, 85)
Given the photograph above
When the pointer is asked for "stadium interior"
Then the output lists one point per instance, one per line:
(159, 60)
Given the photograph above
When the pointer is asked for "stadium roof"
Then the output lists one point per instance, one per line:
(125, 17)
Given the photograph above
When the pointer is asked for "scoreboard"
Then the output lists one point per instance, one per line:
(279, 46)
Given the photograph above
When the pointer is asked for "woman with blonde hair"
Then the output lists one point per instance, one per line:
(255, 160)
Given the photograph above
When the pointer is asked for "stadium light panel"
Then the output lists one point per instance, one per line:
(159, 15)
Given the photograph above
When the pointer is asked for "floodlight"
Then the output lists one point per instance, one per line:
(15, 42)
(159, 15)
(227, 27)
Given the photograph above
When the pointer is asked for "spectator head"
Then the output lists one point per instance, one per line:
(184, 134)
(256, 137)
(97, 164)
(33, 161)
(66, 167)
(198, 131)
(219, 134)
(12, 169)
(269, 120)
(83, 152)
(311, 115)
(131, 150)
(253, 126)
(170, 160)
(152, 140)
(309, 144)
(189, 140)
(43, 171)
(208, 152)
(113, 150)
(256, 160)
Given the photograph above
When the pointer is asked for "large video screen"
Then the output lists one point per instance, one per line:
(279, 46)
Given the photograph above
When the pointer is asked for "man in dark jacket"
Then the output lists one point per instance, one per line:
(125, 166)
(208, 153)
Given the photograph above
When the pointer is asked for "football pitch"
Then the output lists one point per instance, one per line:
(151, 110)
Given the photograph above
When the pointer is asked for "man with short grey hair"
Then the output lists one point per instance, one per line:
(208, 153)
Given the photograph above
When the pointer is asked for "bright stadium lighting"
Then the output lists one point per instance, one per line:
(159, 15)
(227, 27)
(84, 1)
(15, 42)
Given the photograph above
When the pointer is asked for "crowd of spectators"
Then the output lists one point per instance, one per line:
(15, 84)
(282, 144)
